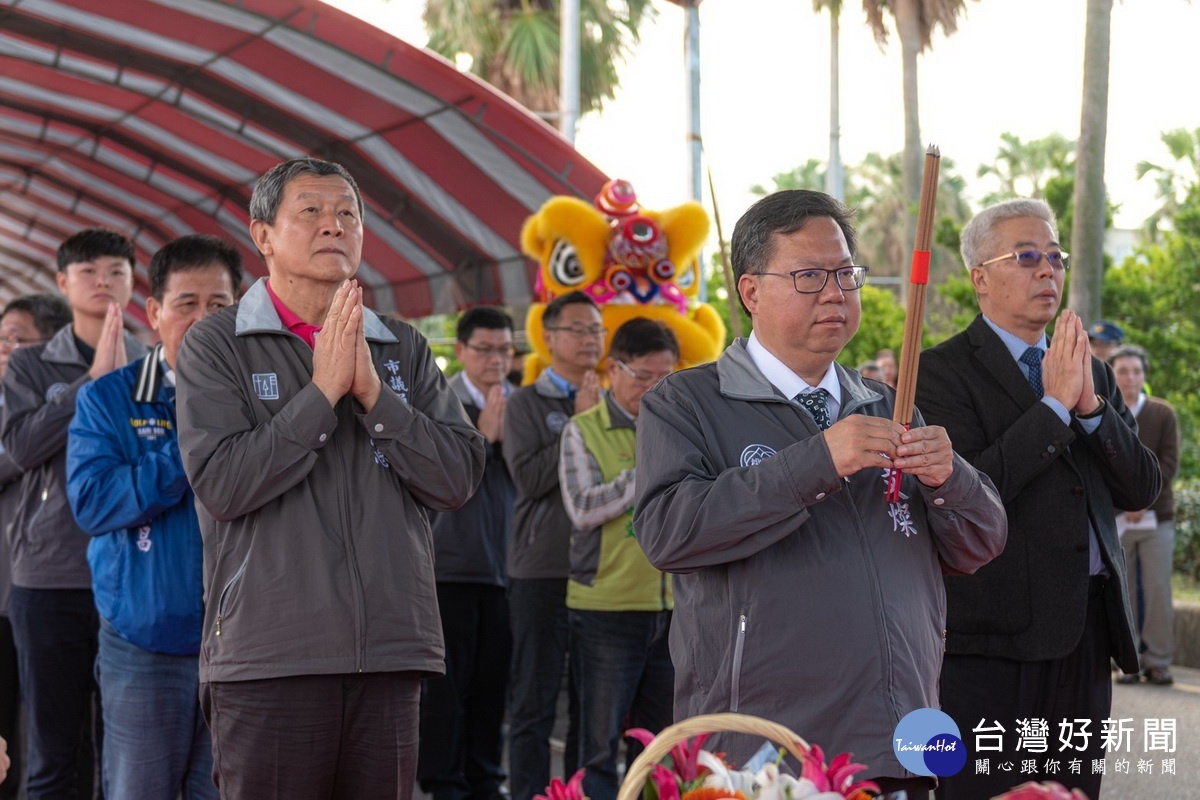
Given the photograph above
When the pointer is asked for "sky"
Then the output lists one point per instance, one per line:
(1012, 66)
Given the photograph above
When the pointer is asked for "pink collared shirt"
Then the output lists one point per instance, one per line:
(305, 330)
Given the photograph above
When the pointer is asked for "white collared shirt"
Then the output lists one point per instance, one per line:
(789, 383)
(477, 397)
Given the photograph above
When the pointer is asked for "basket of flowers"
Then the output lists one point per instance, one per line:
(674, 766)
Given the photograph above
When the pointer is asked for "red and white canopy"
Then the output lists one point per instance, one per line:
(156, 117)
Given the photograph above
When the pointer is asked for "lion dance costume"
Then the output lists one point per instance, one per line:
(631, 261)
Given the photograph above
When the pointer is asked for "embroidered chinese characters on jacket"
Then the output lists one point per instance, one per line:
(900, 513)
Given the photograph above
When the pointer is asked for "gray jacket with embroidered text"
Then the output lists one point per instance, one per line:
(48, 549)
(799, 596)
(318, 557)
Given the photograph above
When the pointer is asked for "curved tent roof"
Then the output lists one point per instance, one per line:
(156, 117)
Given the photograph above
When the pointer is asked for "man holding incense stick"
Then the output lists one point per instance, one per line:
(1029, 636)
(802, 595)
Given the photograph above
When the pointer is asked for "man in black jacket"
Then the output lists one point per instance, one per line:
(1029, 636)
(462, 713)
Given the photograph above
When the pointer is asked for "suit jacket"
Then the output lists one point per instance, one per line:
(1158, 429)
(1031, 602)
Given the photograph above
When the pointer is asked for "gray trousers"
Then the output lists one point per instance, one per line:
(1154, 551)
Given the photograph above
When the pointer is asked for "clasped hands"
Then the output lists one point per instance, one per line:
(860, 442)
(341, 357)
(1067, 366)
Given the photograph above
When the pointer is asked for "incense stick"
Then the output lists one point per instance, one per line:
(914, 317)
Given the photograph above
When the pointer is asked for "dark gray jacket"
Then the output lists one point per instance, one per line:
(533, 420)
(49, 551)
(471, 544)
(318, 558)
(10, 498)
(800, 597)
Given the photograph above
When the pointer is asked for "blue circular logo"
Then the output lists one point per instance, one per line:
(927, 742)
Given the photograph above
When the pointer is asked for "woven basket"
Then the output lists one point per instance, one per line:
(657, 750)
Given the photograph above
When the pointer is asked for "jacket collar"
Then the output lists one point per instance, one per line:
(546, 387)
(62, 349)
(740, 379)
(996, 358)
(256, 314)
(150, 377)
(615, 416)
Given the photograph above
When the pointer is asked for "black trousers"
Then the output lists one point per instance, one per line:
(314, 737)
(56, 632)
(462, 712)
(978, 692)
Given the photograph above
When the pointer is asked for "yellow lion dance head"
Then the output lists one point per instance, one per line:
(631, 261)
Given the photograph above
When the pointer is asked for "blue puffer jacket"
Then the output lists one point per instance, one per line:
(127, 488)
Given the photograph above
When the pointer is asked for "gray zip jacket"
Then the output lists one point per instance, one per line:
(800, 597)
(318, 558)
(48, 549)
(533, 421)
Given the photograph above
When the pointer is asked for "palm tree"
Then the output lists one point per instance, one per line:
(916, 20)
(1024, 168)
(514, 45)
(835, 183)
(1172, 183)
(1091, 205)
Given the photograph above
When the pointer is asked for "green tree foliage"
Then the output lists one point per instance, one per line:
(513, 45)
(882, 326)
(1172, 182)
(1155, 296)
(1023, 168)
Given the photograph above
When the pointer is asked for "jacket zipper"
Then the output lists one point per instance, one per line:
(355, 574)
(738, 649)
(227, 589)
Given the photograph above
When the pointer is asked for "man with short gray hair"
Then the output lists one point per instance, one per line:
(1029, 636)
(317, 435)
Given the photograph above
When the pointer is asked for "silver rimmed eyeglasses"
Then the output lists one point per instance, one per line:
(15, 342)
(1029, 259)
(638, 375)
(813, 279)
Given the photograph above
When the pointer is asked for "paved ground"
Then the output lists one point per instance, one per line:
(1180, 702)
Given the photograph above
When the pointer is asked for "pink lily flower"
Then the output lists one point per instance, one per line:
(837, 777)
(683, 755)
(571, 790)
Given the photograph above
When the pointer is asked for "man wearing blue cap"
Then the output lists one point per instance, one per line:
(1105, 337)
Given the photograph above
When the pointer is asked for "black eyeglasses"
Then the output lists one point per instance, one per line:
(1029, 259)
(489, 352)
(813, 279)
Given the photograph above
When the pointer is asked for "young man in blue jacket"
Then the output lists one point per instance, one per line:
(127, 488)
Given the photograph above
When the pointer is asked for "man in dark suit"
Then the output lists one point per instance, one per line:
(1029, 636)
(462, 713)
